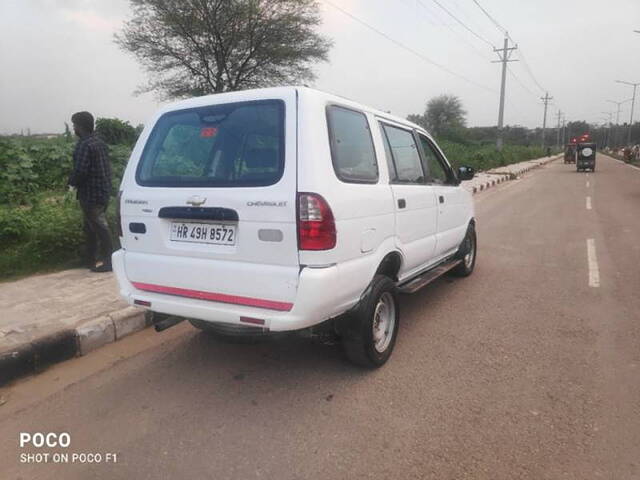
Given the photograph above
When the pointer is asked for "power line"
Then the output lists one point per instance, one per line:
(456, 33)
(528, 68)
(506, 33)
(409, 49)
(461, 23)
(490, 17)
(517, 79)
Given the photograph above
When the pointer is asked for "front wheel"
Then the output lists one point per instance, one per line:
(370, 331)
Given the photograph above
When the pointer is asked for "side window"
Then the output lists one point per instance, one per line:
(352, 152)
(436, 171)
(404, 153)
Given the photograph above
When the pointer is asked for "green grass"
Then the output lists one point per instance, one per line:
(44, 235)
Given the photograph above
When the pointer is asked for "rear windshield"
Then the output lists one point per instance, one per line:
(230, 145)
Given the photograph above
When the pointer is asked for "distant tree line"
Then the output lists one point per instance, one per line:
(445, 118)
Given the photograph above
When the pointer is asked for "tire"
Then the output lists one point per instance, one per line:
(369, 332)
(467, 253)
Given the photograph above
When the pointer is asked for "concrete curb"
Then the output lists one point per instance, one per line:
(622, 161)
(34, 356)
(489, 183)
(503, 176)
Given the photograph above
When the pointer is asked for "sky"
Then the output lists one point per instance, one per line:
(58, 57)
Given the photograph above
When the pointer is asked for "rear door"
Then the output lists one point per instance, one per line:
(214, 192)
(415, 204)
(452, 200)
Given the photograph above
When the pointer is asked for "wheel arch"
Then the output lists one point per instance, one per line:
(390, 265)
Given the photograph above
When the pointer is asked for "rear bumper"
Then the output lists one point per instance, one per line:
(317, 289)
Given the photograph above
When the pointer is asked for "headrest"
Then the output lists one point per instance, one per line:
(262, 158)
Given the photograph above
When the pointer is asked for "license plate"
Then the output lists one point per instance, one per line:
(212, 233)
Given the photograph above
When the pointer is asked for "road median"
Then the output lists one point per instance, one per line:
(484, 180)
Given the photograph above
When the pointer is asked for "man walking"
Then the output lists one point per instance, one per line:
(92, 178)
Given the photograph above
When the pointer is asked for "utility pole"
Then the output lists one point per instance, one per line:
(618, 109)
(558, 129)
(564, 122)
(633, 102)
(546, 99)
(504, 55)
(608, 132)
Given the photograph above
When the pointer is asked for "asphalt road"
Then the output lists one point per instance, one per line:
(523, 370)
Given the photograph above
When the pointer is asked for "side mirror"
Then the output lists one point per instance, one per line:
(466, 173)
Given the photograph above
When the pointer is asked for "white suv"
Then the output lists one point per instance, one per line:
(287, 208)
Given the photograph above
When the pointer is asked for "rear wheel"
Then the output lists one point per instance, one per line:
(369, 333)
(467, 253)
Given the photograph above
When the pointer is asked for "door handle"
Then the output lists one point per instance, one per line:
(402, 203)
(441, 198)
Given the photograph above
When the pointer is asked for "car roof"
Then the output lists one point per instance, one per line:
(263, 93)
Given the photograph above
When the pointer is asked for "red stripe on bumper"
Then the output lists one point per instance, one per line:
(214, 297)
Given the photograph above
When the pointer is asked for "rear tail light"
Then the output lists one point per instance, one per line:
(118, 215)
(316, 226)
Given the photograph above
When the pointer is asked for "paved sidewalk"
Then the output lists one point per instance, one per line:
(53, 317)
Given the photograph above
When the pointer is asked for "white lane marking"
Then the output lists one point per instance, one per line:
(587, 183)
(587, 176)
(594, 271)
(588, 203)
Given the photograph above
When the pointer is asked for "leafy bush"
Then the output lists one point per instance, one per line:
(487, 157)
(49, 232)
(31, 165)
(115, 131)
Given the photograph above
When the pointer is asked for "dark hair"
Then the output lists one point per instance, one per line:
(83, 120)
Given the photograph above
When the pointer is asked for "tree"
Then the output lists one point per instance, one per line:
(577, 128)
(418, 120)
(114, 131)
(197, 47)
(444, 112)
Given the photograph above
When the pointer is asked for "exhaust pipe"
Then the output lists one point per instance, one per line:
(162, 322)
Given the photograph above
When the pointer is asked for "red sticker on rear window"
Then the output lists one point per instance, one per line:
(208, 132)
